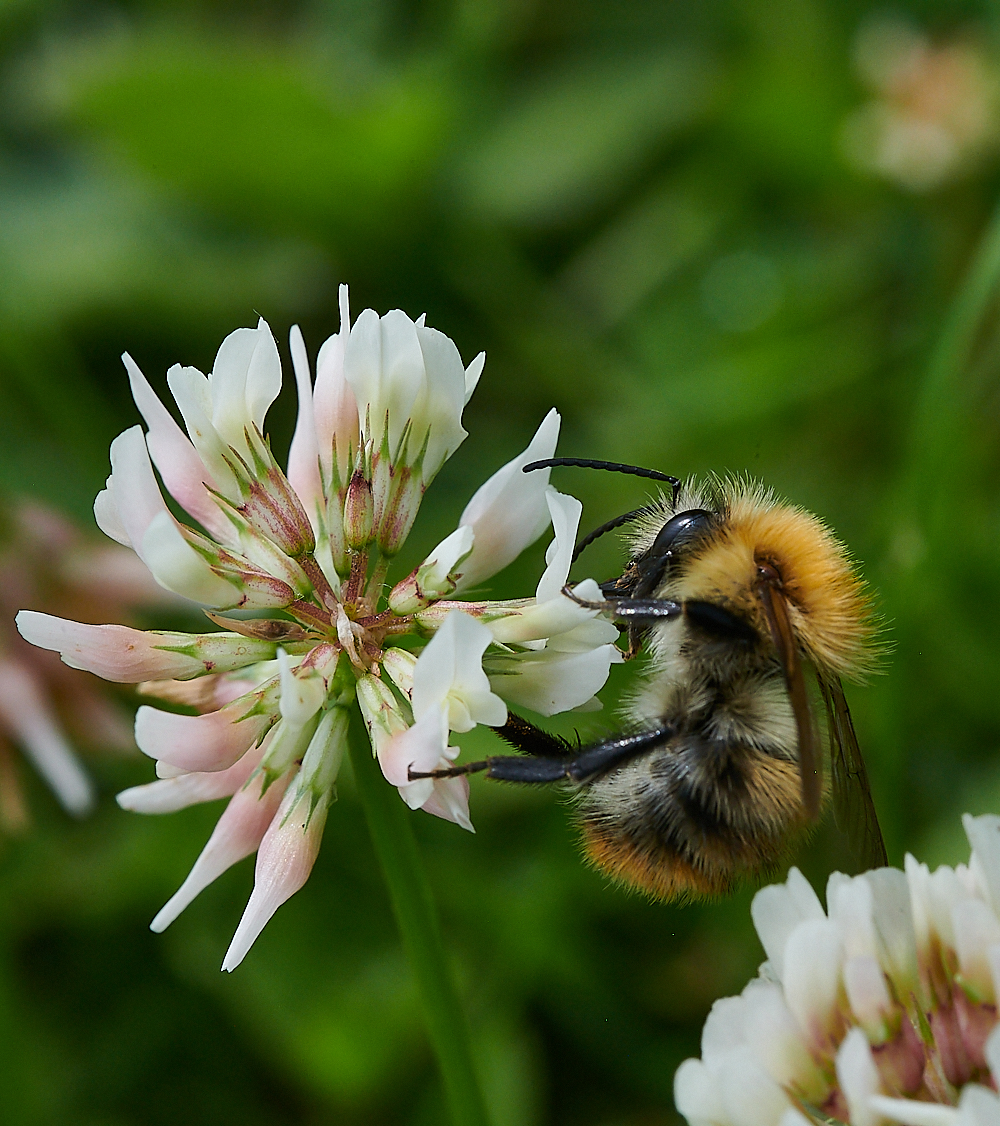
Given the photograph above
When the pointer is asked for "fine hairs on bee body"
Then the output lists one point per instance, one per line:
(750, 613)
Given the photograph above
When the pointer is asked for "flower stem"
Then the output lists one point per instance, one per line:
(413, 903)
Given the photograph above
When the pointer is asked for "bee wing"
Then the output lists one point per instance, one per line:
(853, 808)
(810, 763)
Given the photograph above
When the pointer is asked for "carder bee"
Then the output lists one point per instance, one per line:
(751, 613)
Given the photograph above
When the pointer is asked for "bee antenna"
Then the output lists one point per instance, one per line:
(609, 526)
(611, 466)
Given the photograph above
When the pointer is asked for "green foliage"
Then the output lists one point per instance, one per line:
(642, 211)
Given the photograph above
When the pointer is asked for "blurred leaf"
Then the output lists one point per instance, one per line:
(584, 131)
(254, 132)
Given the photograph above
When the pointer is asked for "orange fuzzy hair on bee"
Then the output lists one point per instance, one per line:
(827, 603)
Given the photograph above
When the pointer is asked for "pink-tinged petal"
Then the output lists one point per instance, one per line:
(167, 795)
(128, 656)
(334, 403)
(284, 860)
(203, 742)
(182, 470)
(421, 747)
(303, 454)
(450, 801)
(509, 512)
(26, 713)
(237, 834)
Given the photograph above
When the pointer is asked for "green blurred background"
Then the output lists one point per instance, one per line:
(678, 223)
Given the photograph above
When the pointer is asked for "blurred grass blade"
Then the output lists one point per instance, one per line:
(416, 914)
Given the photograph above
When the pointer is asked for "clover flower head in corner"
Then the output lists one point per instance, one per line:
(308, 549)
(880, 1009)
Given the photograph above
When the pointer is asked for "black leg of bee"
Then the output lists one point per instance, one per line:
(584, 766)
(713, 619)
(532, 740)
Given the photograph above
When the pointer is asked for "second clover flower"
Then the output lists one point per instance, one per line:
(273, 695)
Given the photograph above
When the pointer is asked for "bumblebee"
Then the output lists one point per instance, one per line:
(751, 613)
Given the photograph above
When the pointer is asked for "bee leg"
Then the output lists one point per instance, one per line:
(584, 766)
(531, 740)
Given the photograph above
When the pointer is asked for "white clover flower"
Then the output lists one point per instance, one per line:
(881, 1009)
(273, 696)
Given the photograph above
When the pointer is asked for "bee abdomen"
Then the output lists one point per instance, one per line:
(694, 818)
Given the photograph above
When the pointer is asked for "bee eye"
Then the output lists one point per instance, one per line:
(678, 530)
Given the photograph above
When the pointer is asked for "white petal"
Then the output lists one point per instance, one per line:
(565, 513)
(776, 911)
(237, 834)
(176, 566)
(472, 374)
(301, 695)
(180, 466)
(984, 837)
(550, 681)
(978, 1106)
(450, 670)
(893, 918)
(284, 860)
(532, 620)
(449, 800)
(697, 1095)
(851, 904)
(303, 454)
(334, 402)
(193, 395)
(773, 1036)
(108, 517)
(724, 1029)
(912, 1113)
(263, 375)
(750, 1096)
(813, 956)
(976, 929)
(134, 489)
(509, 512)
(858, 1078)
(438, 408)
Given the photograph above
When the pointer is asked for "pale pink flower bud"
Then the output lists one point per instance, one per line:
(398, 664)
(207, 742)
(237, 834)
(167, 795)
(396, 513)
(437, 577)
(359, 513)
(128, 656)
(284, 860)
